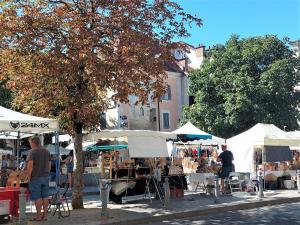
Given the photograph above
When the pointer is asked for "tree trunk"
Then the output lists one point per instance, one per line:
(77, 201)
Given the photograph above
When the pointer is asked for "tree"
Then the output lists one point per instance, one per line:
(63, 56)
(5, 95)
(244, 82)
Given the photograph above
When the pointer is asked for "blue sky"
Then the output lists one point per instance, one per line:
(221, 18)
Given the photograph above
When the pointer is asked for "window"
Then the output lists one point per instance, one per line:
(179, 54)
(167, 95)
(166, 120)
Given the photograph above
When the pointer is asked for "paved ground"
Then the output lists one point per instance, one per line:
(137, 212)
(276, 215)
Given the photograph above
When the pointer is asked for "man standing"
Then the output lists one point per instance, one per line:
(38, 173)
(226, 157)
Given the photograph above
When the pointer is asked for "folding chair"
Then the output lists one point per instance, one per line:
(59, 202)
(235, 184)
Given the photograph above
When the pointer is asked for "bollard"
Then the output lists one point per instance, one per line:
(298, 180)
(260, 185)
(22, 204)
(104, 195)
(167, 192)
(217, 189)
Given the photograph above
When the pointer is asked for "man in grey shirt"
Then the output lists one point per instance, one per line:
(38, 173)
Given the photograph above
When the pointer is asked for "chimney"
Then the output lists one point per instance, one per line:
(186, 64)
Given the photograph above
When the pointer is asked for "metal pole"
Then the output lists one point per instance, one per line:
(158, 113)
(104, 195)
(58, 158)
(217, 189)
(42, 138)
(260, 185)
(18, 150)
(298, 180)
(167, 192)
(22, 204)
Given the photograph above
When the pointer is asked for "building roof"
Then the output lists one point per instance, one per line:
(173, 67)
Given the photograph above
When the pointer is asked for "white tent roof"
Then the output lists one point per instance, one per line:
(141, 143)
(242, 145)
(265, 134)
(12, 121)
(189, 128)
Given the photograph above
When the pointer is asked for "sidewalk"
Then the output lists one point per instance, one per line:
(142, 211)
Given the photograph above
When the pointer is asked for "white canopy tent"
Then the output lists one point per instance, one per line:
(13, 123)
(16, 125)
(141, 143)
(242, 145)
(191, 129)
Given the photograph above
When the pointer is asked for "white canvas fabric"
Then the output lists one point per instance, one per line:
(85, 145)
(242, 145)
(14, 121)
(141, 143)
(62, 138)
(147, 147)
(189, 128)
(12, 135)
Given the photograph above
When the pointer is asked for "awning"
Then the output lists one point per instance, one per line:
(106, 147)
(277, 154)
(191, 137)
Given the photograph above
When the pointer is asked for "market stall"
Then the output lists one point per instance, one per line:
(16, 125)
(197, 152)
(263, 147)
(245, 145)
(138, 167)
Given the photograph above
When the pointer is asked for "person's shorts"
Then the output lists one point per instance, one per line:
(224, 173)
(39, 188)
(70, 169)
(52, 176)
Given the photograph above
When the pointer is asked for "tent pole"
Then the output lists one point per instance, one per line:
(42, 139)
(18, 150)
(58, 158)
